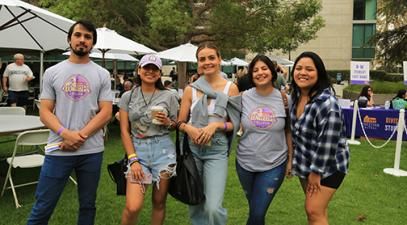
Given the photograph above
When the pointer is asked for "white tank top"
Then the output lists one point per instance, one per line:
(211, 106)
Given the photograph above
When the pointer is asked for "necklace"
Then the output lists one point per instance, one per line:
(144, 99)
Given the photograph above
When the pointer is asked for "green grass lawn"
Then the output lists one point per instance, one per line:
(367, 196)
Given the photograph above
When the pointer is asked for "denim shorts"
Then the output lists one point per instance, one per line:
(156, 154)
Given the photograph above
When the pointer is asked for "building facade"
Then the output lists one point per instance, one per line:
(349, 25)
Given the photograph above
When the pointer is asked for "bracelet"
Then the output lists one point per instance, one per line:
(170, 125)
(179, 123)
(60, 130)
(132, 160)
(131, 156)
(225, 126)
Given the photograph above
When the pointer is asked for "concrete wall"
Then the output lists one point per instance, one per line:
(334, 41)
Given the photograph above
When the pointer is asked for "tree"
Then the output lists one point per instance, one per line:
(392, 35)
(235, 25)
(169, 23)
(294, 22)
(127, 17)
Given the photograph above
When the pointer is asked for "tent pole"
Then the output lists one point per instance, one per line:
(41, 68)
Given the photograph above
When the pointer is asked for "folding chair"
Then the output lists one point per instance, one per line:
(12, 111)
(3, 98)
(27, 138)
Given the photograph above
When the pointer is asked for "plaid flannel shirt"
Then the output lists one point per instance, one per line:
(319, 138)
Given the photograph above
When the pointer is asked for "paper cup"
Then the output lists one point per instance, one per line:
(154, 110)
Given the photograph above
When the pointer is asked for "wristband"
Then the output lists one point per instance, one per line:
(179, 123)
(60, 130)
(131, 156)
(225, 126)
(169, 125)
(133, 160)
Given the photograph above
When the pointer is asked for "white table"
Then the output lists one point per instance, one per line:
(17, 123)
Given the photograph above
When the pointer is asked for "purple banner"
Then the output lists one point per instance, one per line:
(377, 122)
(363, 82)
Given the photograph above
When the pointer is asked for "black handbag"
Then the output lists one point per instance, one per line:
(116, 171)
(187, 185)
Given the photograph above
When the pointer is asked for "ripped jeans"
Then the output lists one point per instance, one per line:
(260, 189)
(156, 155)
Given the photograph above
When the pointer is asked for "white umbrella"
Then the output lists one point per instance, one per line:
(111, 41)
(238, 62)
(182, 53)
(24, 26)
(281, 61)
(117, 56)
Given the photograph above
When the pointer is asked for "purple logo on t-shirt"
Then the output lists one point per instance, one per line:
(76, 87)
(262, 117)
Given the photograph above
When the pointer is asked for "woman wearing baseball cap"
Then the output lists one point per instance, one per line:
(151, 110)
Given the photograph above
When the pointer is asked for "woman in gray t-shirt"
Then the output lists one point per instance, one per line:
(151, 110)
(264, 151)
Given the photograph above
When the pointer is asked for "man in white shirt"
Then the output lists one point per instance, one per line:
(17, 75)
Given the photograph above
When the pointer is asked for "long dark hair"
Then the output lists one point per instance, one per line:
(269, 64)
(322, 77)
(365, 92)
(401, 94)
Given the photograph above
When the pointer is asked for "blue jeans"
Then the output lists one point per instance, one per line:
(54, 174)
(212, 164)
(260, 189)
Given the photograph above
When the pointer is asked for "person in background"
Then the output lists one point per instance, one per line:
(321, 152)
(127, 86)
(169, 85)
(264, 152)
(76, 103)
(207, 104)
(366, 97)
(281, 81)
(173, 75)
(400, 100)
(195, 76)
(147, 143)
(17, 75)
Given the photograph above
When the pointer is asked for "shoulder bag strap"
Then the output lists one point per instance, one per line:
(287, 111)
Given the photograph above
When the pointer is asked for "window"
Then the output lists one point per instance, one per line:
(364, 9)
(361, 46)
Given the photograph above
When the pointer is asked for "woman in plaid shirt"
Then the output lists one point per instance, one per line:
(321, 154)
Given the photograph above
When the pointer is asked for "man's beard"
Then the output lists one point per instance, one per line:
(79, 52)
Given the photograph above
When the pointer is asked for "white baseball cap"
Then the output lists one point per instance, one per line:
(151, 59)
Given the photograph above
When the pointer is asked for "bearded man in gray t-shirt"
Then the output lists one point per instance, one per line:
(76, 103)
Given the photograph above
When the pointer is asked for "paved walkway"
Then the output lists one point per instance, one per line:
(339, 88)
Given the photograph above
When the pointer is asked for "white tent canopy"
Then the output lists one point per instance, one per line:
(112, 42)
(117, 56)
(238, 62)
(25, 26)
(281, 61)
(182, 53)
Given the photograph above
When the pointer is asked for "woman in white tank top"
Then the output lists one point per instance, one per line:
(208, 143)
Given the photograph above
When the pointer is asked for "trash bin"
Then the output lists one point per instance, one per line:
(338, 78)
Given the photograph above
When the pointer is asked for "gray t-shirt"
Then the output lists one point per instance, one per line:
(77, 90)
(263, 144)
(139, 110)
(16, 76)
